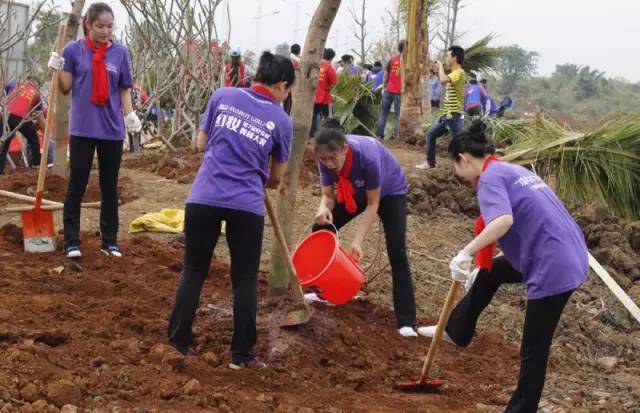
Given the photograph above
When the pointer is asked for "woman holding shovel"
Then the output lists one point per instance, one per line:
(360, 176)
(543, 248)
(246, 138)
(98, 73)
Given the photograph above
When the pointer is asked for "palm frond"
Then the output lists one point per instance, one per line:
(479, 56)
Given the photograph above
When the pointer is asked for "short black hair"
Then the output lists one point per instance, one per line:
(483, 81)
(473, 76)
(367, 66)
(472, 141)
(330, 136)
(295, 49)
(377, 63)
(329, 54)
(273, 69)
(401, 45)
(347, 58)
(458, 53)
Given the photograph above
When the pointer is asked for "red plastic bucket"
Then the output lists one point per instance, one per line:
(321, 263)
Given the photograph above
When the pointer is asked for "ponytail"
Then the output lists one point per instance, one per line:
(472, 141)
(273, 69)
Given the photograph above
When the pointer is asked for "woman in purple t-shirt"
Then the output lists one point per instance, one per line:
(98, 73)
(543, 247)
(360, 176)
(246, 138)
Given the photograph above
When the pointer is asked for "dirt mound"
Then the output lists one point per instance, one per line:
(614, 242)
(441, 189)
(87, 333)
(183, 165)
(24, 182)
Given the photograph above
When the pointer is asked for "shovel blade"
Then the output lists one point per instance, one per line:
(296, 317)
(37, 231)
(418, 386)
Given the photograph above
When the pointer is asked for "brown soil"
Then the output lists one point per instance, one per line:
(24, 181)
(183, 165)
(86, 333)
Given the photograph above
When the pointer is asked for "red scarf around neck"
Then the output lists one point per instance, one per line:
(100, 87)
(346, 192)
(484, 257)
(263, 91)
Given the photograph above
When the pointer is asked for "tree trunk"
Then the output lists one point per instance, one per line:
(411, 115)
(303, 95)
(63, 101)
(363, 34)
(454, 20)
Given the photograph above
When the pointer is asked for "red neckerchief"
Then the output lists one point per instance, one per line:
(263, 91)
(346, 192)
(100, 78)
(484, 257)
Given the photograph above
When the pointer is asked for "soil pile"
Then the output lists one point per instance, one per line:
(24, 182)
(441, 189)
(90, 333)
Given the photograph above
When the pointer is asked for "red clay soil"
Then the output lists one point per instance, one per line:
(183, 165)
(24, 181)
(88, 333)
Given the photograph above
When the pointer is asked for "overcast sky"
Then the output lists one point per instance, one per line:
(601, 34)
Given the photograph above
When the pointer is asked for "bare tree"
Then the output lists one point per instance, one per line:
(184, 50)
(361, 32)
(303, 95)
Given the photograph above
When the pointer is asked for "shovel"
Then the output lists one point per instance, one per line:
(302, 314)
(37, 223)
(422, 385)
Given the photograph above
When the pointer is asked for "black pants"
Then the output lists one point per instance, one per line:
(28, 130)
(474, 111)
(286, 105)
(541, 318)
(244, 237)
(320, 112)
(81, 152)
(393, 213)
(435, 103)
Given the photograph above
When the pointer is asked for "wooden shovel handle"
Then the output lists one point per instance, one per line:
(442, 323)
(51, 108)
(284, 249)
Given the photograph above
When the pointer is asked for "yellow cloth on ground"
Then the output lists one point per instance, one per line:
(167, 220)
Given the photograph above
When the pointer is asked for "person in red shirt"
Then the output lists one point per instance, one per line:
(392, 91)
(327, 80)
(24, 107)
(234, 75)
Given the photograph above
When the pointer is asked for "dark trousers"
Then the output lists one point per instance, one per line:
(81, 152)
(475, 111)
(320, 111)
(388, 99)
(286, 105)
(393, 213)
(244, 237)
(435, 103)
(541, 318)
(453, 124)
(28, 130)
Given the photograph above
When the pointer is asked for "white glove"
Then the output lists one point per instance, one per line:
(470, 280)
(460, 266)
(56, 62)
(133, 122)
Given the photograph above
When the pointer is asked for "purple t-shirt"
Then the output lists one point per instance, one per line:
(473, 96)
(373, 167)
(545, 244)
(244, 128)
(87, 119)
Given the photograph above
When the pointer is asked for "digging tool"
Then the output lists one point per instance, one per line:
(302, 314)
(422, 385)
(623, 297)
(37, 224)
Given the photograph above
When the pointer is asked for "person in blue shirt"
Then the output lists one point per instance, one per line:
(490, 106)
(436, 87)
(378, 75)
(474, 97)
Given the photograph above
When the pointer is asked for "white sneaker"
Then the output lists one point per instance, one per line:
(430, 331)
(407, 332)
(424, 166)
(73, 252)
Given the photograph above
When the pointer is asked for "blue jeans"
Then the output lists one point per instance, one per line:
(443, 125)
(385, 107)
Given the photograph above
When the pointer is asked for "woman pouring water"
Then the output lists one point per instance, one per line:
(360, 176)
(543, 248)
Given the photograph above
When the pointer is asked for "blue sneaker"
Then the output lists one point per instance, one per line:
(112, 251)
(72, 251)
